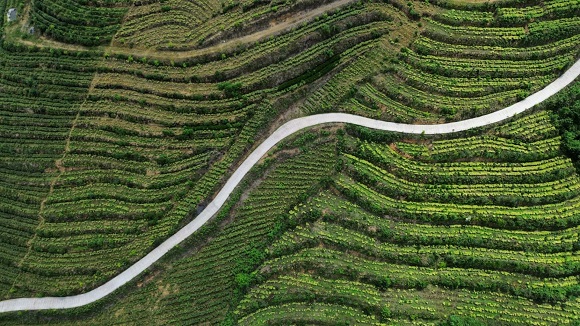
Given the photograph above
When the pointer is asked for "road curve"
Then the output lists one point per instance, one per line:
(284, 131)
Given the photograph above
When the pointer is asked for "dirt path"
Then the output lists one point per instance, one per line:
(289, 23)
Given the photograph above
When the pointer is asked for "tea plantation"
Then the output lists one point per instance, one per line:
(120, 121)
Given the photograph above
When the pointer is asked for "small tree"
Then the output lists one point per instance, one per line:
(231, 89)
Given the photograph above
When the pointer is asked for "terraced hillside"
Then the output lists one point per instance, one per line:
(380, 228)
(204, 276)
(412, 232)
(121, 119)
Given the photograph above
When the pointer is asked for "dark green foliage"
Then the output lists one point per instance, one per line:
(461, 321)
(313, 74)
(305, 139)
(368, 134)
(566, 108)
(243, 280)
(327, 30)
(231, 89)
(385, 313)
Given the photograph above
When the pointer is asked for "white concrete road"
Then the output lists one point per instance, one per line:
(284, 131)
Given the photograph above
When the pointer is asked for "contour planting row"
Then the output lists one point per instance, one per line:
(465, 172)
(443, 104)
(146, 24)
(498, 194)
(391, 305)
(302, 249)
(467, 87)
(116, 169)
(453, 67)
(474, 86)
(556, 265)
(107, 202)
(292, 70)
(492, 147)
(536, 33)
(529, 128)
(340, 85)
(309, 313)
(369, 99)
(469, 69)
(361, 256)
(548, 10)
(510, 16)
(550, 216)
(428, 46)
(350, 215)
(351, 269)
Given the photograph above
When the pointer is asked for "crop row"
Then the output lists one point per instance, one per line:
(495, 147)
(556, 265)
(450, 66)
(271, 75)
(309, 313)
(369, 98)
(350, 215)
(552, 9)
(551, 216)
(173, 19)
(538, 33)
(510, 15)
(426, 305)
(529, 128)
(207, 278)
(425, 46)
(489, 147)
(340, 84)
(261, 54)
(498, 194)
(466, 172)
(460, 87)
(41, 92)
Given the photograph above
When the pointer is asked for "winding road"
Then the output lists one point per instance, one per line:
(284, 131)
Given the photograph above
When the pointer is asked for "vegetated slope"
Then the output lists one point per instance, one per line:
(150, 145)
(199, 288)
(463, 63)
(407, 231)
(157, 135)
(182, 24)
(82, 22)
(40, 95)
(413, 232)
